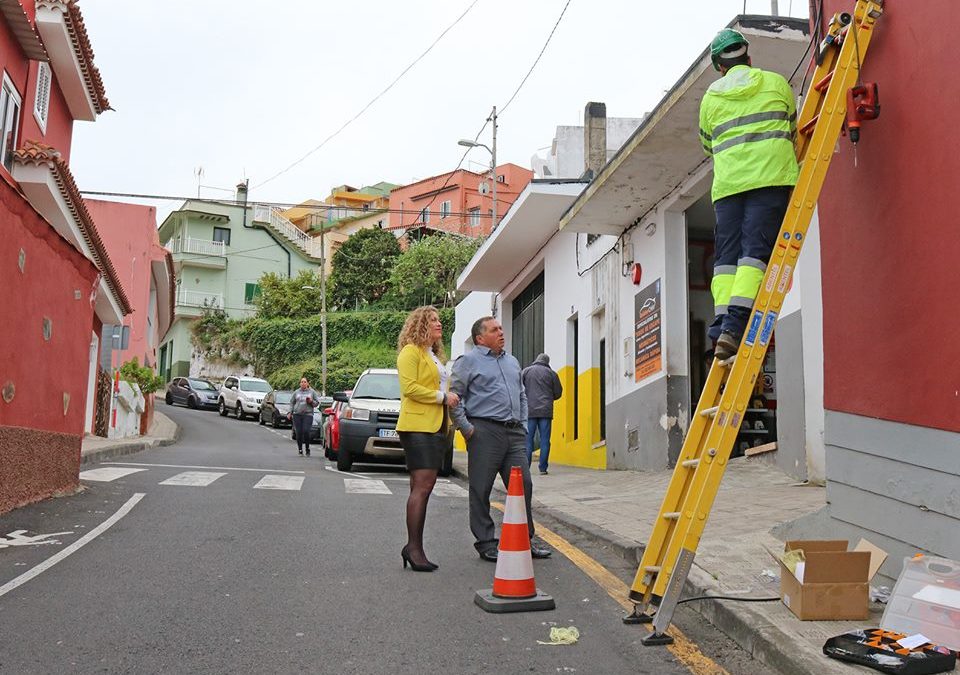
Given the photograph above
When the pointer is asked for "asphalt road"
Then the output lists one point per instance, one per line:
(229, 577)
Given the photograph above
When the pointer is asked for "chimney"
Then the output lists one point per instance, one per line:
(242, 193)
(594, 138)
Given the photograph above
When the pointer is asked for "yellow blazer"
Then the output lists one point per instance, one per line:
(419, 387)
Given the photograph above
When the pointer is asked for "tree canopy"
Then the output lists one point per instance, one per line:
(361, 268)
(294, 298)
(426, 273)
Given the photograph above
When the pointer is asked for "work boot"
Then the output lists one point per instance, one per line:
(727, 346)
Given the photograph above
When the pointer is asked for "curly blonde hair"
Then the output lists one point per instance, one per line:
(416, 331)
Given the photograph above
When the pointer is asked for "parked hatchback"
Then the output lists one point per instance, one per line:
(276, 408)
(192, 392)
(242, 395)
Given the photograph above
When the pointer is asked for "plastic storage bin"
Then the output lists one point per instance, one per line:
(926, 600)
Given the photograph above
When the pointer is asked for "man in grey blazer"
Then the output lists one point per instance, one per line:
(492, 416)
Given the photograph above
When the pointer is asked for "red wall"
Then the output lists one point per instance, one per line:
(890, 234)
(39, 441)
(129, 232)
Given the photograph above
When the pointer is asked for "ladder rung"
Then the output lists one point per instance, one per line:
(652, 569)
(690, 463)
(710, 412)
(825, 82)
(672, 515)
(808, 127)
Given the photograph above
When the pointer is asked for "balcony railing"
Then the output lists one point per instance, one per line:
(197, 246)
(199, 299)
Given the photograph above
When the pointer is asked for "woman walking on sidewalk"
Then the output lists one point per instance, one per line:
(302, 403)
(423, 422)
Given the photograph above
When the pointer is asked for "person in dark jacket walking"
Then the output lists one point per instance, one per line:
(543, 388)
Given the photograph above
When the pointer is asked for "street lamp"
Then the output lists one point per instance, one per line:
(493, 160)
(323, 327)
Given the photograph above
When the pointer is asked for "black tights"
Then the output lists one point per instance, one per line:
(421, 485)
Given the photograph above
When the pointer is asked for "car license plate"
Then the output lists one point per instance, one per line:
(389, 433)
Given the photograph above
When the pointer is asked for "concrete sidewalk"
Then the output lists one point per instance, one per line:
(617, 508)
(163, 431)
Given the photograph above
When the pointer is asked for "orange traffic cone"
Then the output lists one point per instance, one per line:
(514, 589)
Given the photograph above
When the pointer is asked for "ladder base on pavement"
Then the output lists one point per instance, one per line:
(656, 640)
(637, 617)
(488, 602)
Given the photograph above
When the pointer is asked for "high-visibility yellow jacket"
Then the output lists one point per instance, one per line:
(421, 400)
(748, 122)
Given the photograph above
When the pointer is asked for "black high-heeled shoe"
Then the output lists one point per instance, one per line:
(417, 567)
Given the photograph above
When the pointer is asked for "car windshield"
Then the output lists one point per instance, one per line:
(284, 396)
(254, 385)
(378, 385)
(201, 385)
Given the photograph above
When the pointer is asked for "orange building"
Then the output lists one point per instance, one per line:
(459, 202)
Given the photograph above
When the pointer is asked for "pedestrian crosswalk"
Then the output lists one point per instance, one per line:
(358, 484)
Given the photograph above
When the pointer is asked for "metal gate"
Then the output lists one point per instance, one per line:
(101, 415)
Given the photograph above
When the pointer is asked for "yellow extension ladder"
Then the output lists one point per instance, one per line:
(672, 545)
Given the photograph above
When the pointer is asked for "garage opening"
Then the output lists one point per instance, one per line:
(527, 340)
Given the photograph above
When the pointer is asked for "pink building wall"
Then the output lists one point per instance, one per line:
(129, 233)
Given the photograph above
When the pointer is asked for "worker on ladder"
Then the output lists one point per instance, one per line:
(748, 125)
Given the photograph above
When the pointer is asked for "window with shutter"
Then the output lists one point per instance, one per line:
(41, 104)
(9, 121)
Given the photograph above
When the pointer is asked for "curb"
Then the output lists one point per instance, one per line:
(765, 642)
(130, 448)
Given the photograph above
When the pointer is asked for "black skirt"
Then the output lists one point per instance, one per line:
(423, 450)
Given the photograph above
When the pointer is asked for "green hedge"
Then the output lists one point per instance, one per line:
(279, 343)
(345, 362)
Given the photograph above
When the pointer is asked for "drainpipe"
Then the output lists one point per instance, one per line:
(242, 189)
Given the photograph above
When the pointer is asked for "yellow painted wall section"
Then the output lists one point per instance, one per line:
(579, 451)
(564, 449)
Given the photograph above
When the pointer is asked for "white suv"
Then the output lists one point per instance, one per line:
(242, 396)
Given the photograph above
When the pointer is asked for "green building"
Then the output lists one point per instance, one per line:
(220, 251)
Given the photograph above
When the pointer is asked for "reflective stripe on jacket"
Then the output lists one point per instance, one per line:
(748, 121)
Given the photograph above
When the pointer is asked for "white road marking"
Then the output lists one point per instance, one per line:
(188, 466)
(269, 482)
(344, 473)
(107, 473)
(193, 478)
(17, 538)
(72, 548)
(449, 490)
(365, 487)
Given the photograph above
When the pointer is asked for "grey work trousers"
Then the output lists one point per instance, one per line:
(493, 449)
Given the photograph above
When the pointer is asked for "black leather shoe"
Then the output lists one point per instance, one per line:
(490, 555)
(538, 551)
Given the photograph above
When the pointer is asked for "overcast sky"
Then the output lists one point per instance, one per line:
(244, 89)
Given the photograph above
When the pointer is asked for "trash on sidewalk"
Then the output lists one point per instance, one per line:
(889, 652)
(829, 583)
(562, 635)
(769, 576)
(926, 599)
(880, 594)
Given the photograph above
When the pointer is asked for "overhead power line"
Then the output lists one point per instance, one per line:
(537, 60)
(373, 100)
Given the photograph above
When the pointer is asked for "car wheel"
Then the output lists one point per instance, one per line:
(168, 399)
(222, 408)
(192, 403)
(446, 468)
(344, 460)
(239, 411)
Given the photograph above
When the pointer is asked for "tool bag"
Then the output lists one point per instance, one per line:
(879, 649)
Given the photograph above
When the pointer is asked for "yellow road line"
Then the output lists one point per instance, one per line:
(682, 648)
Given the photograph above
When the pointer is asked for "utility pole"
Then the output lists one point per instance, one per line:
(493, 166)
(774, 8)
(323, 313)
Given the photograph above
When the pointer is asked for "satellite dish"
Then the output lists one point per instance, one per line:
(484, 188)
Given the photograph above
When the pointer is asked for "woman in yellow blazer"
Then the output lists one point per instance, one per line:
(423, 420)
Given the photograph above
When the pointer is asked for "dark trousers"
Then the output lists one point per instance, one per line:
(543, 426)
(494, 449)
(747, 227)
(302, 424)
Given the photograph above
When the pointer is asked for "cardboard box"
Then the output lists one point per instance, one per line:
(832, 583)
